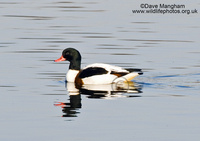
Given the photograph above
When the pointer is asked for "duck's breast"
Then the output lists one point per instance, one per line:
(71, 75)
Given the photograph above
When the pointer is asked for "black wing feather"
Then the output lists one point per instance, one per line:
(133, 70)
(91, 71)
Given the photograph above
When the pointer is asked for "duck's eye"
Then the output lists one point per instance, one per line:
(67, 53)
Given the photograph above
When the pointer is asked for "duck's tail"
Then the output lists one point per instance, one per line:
(130, 76)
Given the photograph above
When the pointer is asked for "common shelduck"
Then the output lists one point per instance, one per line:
(97, 73)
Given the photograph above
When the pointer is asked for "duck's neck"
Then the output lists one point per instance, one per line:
(75, 64)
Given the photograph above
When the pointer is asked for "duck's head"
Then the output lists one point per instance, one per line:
(73, 56)
(69, 54)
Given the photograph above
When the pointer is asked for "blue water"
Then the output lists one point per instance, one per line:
(37, 104)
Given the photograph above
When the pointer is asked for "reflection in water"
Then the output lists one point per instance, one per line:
(109, 91)
(71, 109)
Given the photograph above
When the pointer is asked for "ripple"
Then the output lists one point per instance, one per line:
(156, 40)
(64, 2)
(5, 44)
(34, 51)
(163, 76)
(53, 94)
(197, 66)
(108, 45)
(143, 22)
(63, 41)
(197, 52)
(70, 7)
(83, 10)
(181, 86)
(178, 67)
(30, 17)
(30, 38)
(52, 75)
(122, 54)
(111, 48)
(6, 86)
(98, 33)
(98, 37)
(10, 3)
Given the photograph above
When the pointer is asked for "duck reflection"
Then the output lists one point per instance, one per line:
(71, 108)
(109, 91)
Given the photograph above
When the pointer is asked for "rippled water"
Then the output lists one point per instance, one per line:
(37, 104)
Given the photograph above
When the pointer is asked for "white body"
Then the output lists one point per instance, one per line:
(104, 78)
(99, 79)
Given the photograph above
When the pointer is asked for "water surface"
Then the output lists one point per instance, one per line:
(37, 105)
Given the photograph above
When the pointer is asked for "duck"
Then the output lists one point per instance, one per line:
(97, 73)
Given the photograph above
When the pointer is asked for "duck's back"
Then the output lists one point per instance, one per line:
(100, 73)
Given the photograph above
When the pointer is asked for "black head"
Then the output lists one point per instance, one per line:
(69, 54)
(73, 56)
